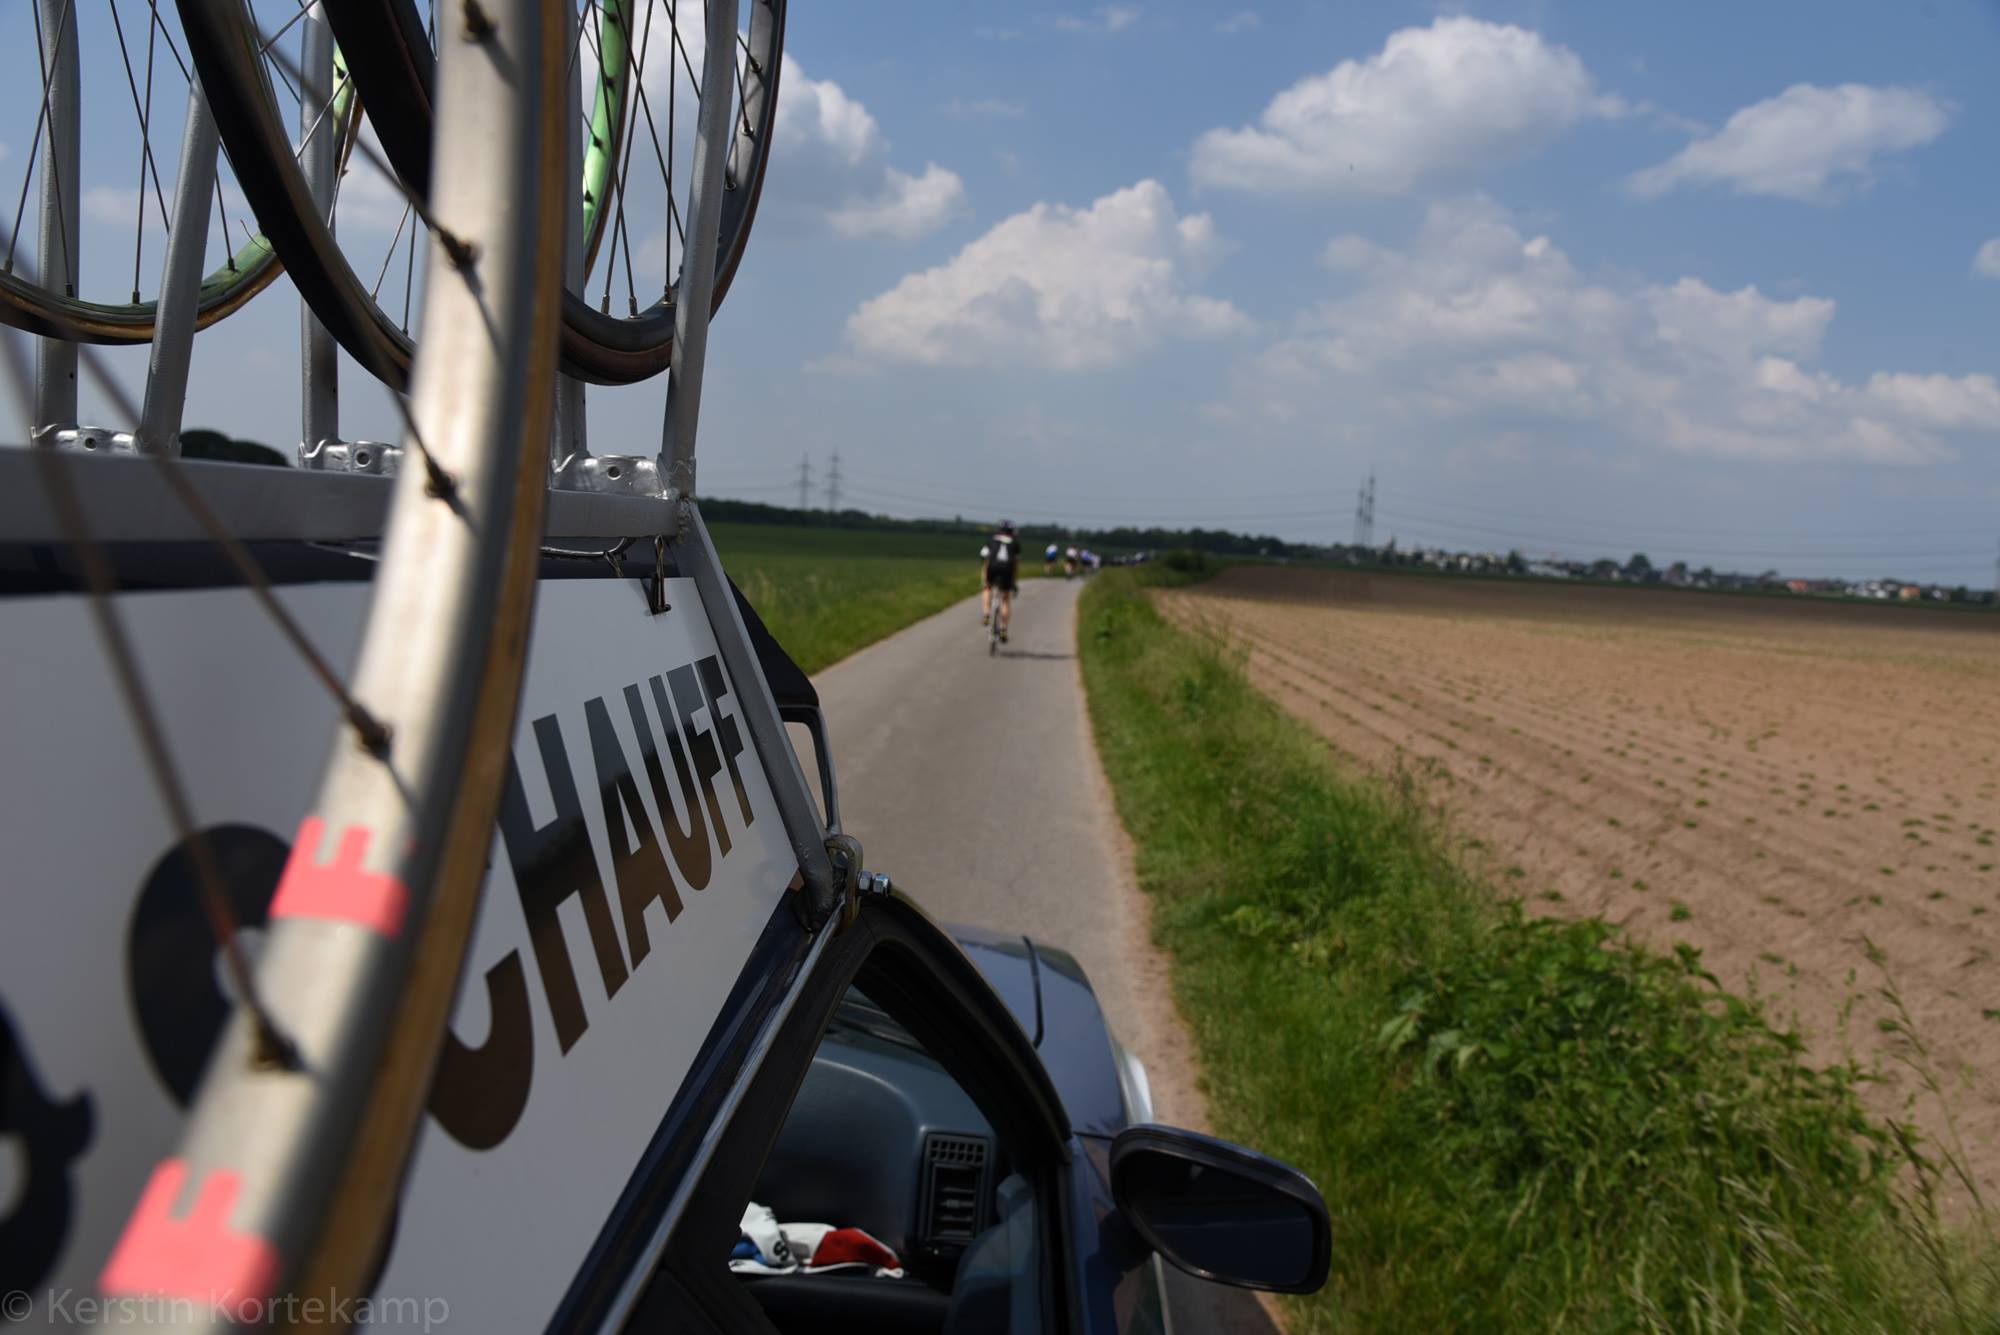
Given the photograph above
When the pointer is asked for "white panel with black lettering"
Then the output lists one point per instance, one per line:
(638, 855)
(109, 996)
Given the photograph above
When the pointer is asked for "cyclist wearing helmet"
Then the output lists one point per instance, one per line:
(999, 569)
(1049, 559)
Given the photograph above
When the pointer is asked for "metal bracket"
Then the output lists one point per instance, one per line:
(610, 474)
(352, 456)
(89, 439)
(844, 852)
(813, 720)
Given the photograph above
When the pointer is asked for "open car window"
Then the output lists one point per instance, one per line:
(888, 1202)
(893, 1164)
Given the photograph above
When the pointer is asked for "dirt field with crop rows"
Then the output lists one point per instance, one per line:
(1776, 782)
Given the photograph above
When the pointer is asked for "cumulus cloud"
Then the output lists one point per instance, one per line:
(1987, 262)
(830, 166)
(1459, 95)
(1057, 287)
(1476, 330)
(908, 206)
(1105, 18)
(818, 116)
(1243, 20)
(1805, 143)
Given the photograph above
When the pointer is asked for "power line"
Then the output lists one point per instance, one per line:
(1199, 508)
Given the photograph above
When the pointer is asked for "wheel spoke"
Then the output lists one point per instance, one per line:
(409, 277)
(635, 66)
(264, 47)
(172, 50)
(376, 291)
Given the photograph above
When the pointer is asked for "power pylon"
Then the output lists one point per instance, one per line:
(833, 483)
(1364, 514)
(805, 479)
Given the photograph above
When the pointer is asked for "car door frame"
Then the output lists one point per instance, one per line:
(915, 971)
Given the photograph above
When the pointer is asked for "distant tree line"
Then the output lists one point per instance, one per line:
(1220, 542)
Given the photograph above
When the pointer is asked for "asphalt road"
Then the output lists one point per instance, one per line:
(974, 783)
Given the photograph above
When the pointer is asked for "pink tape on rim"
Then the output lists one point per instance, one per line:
(198, 1258)
(340, 890)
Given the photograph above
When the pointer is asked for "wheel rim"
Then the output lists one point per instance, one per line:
(598, 345)
(311, 1163)
(132, 67)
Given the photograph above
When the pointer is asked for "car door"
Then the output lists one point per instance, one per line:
(914, 972)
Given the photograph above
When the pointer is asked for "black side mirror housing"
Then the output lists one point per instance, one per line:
(1222, 1212)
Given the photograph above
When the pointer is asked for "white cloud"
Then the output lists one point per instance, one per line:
(1105, 18)
(818, 115)
(907, 208)
(830, 167)
(111, 204)
(1057, 287)
(1948, 403)
(1476, 330)
(1987, 262)
(1804, 143)
(1243, 20)
(1451, 98)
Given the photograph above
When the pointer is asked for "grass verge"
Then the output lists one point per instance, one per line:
(1518, 1123)
(825, 593)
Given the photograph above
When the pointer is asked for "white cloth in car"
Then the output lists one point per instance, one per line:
(790, 1249)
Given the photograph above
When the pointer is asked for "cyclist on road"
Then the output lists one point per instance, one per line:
(1049, 559)
(999, 569)
(1069, 563)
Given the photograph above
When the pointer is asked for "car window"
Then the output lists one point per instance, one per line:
(887, 1202)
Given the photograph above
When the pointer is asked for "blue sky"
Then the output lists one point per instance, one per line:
(1700, 279)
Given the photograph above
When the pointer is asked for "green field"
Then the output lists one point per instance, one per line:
(1518, 1124)
(826, 592)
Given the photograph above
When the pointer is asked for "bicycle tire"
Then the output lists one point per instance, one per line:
(605, 349)
(50, 311)
(307, 1155)
(389, 58)
(226, 290)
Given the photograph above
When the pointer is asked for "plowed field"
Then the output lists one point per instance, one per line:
(1778, 783)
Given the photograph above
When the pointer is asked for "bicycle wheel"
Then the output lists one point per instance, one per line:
(633, 210)
(102, 119)
(609, 34)
(295, 1146)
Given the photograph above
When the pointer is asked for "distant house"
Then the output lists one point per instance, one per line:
(1798, 586)
(1909, 593)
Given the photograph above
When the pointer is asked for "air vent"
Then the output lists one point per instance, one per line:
(955, 1189)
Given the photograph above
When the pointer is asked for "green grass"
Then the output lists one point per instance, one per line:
(827, 592)
(1518, 1123)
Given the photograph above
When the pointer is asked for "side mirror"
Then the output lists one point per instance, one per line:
(1222, 1212)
